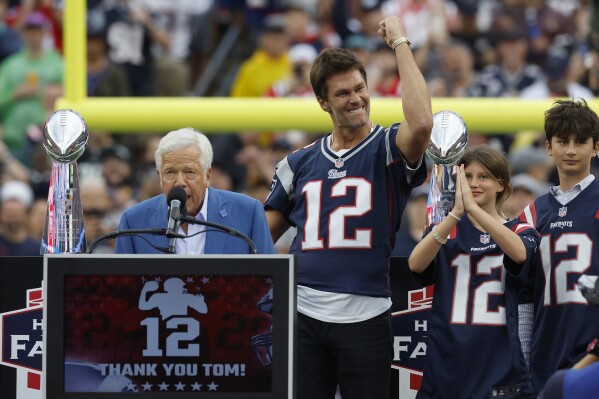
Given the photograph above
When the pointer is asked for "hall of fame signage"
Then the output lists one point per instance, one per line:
(410, 313)
(410, 328)
(21, 344)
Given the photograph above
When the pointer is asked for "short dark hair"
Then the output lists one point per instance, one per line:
(495, 161)
(568, 117)
(330, 62)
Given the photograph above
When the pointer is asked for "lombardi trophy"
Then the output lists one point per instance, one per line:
(65, 136)
(448, 141)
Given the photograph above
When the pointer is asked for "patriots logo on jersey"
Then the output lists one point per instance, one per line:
(485, 238)
(337, 174)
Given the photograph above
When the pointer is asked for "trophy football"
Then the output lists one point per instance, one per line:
(448, 141)
(65, 136)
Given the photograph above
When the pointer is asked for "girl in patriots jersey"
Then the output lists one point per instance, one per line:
(476, 259)
(568, 220)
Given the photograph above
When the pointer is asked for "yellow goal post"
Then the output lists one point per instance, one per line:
(226, 114)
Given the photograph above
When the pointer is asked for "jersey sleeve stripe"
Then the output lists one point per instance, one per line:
(285, 175)
(529, 215)
(517, 228)
(388, 148)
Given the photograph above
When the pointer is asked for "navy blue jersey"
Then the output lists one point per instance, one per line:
(346, 210)
(564, 323)
(473, 350)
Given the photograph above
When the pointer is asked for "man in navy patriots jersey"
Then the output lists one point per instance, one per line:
(568, 220)
(345, 193)
(475, 258)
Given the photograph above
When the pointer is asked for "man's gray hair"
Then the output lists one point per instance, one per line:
(181, 139)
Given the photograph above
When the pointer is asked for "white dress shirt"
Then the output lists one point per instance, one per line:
(195, 242)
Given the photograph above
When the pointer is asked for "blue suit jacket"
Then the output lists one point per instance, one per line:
(231, 209)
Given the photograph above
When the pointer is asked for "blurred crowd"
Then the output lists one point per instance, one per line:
(532, 49)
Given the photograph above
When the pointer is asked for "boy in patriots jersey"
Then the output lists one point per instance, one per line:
(345, 193)
(473, 349)
(568, 220)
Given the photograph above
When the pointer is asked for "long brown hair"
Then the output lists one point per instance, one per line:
(497, 164)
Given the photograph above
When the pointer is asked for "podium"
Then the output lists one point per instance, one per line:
(169, 326)
(21, 314)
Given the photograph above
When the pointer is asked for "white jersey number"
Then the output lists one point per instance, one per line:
(578, 265)
(480, 301)
(362, 238)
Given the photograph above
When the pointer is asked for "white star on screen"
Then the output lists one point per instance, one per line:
(163, 386)
(212, 386)
(196, 386)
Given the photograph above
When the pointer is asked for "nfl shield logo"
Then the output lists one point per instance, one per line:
(485, 238)
(339, 163)
(562, 212)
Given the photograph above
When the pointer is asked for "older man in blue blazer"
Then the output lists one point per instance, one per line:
(184, 159)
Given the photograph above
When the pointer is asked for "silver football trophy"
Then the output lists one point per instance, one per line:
(65, 136)
(448, 141)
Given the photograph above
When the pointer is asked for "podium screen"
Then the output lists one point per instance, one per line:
(177, 326)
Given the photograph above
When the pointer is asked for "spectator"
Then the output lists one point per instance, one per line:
(10, 167)
(15, 199)
(457, 72)
(525, 189)
(37, 218)
(532, 161)
(130, 33)
(300, 26)
(189, 26)
(511, 74)
(563, 74)
(24, 79)
(117, 171)
(297, 83)
(221, 178)
(269, 63)
(10, 40)
(96, 205)
(104, 78)
(410, 234)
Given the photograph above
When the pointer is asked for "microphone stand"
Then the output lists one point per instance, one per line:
(229, 230)
(118, 233)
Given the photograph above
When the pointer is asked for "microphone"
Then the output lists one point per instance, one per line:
(176, 199)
